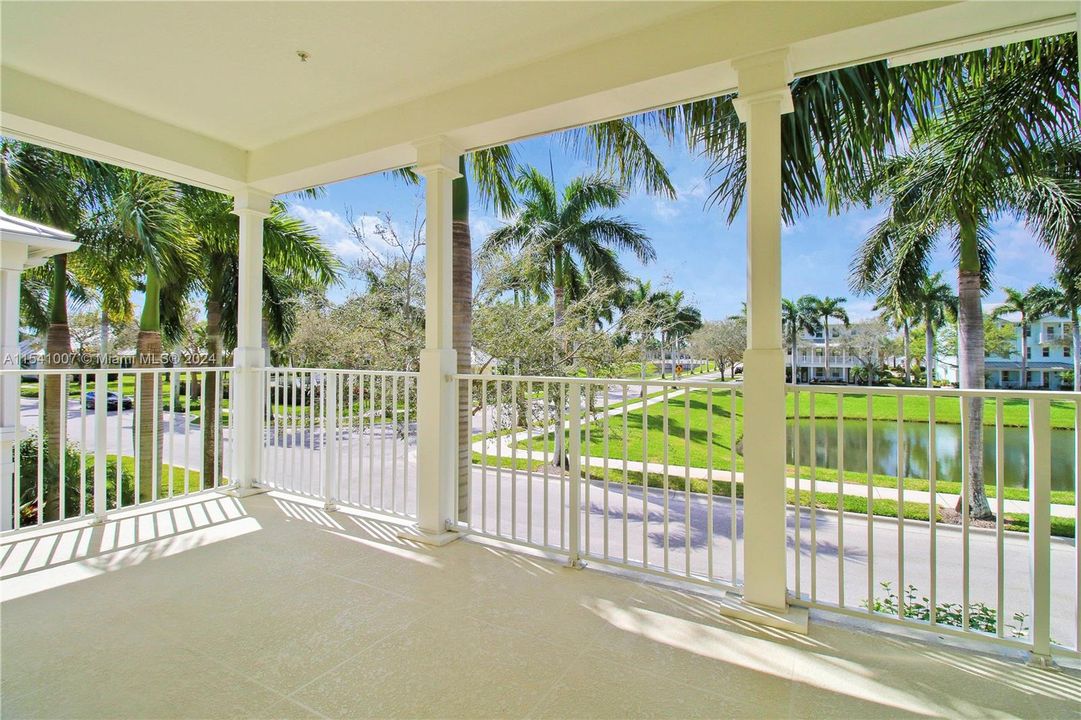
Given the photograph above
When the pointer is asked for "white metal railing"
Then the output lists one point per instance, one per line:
(605, 470)
(88, 442)
(947, 573)
(347, 437)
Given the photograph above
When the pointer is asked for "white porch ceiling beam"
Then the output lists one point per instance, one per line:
(41, 112)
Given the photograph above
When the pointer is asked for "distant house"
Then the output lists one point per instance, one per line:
(1048, 354)
(811, 357)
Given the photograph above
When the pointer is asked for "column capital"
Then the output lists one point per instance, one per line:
(437, 153)
(251, 201)
(763, 78)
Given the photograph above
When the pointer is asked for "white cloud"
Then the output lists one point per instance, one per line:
(481, 227)
(665, 210)
(336, 232)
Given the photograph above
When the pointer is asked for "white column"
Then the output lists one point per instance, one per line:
(12, 258)
(252, 207)
(437, 400)
(763, 97)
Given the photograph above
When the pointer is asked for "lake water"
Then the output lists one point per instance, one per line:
(947, 448)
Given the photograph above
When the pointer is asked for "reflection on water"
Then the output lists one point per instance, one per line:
(947, 449)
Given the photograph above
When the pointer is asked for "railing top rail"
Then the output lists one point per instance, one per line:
(601, 381)
(113, 370)
(989, 393)
(343, 371)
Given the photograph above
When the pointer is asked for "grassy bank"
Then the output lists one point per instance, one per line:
(687, 441)
(880, 507)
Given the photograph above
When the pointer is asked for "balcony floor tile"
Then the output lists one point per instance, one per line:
(270, 607)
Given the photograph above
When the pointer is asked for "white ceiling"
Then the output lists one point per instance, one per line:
(204, 66)
(213, 93)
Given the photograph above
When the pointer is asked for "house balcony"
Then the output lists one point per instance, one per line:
(271, 607)
(312, 597)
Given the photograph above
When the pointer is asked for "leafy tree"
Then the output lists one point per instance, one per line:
(866, 341)
(723, 342)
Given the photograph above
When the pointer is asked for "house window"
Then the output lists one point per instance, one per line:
(1047, 352)
(1066, 351)
(1028, 376)
(1028, 352)
(1005, 376)
(1050, 331)
(1028, 331)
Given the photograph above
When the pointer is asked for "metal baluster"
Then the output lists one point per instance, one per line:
(574, 477)
(932, 510)
(841, 499)
(1000, 559)
(901, 506)
(1039, 531)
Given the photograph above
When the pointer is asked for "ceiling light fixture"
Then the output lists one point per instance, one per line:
(303, 55)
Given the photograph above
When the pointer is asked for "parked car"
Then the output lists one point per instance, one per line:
(112, 401)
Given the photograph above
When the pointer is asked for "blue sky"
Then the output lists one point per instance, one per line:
(696, 250)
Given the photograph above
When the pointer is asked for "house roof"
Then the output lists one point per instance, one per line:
(1032, 365)
(221, 98)
(41, 241)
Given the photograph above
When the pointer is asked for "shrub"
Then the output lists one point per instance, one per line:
(981, 617)
(28, 482)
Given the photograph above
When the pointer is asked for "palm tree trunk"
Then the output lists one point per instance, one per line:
(558, 299)
(826, 335)
(908, 363)
(103, 338)
(970, 346)
(148, 355)
(462, 331)
(57, 355)
(212, 466)
(1024, 354)
(929, 349)
(795, 365)
(1076, 340)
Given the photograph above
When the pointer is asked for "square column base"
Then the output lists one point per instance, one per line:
(415, 534)
(793, 619)
(243, 492)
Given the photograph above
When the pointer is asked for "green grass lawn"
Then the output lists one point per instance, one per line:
(170, 476)
(947, 410)
(692, 412)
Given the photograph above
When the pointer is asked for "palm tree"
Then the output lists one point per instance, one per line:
(1064, 300)
(677, 321)
(897, 312)
(938, 186)
(826, 308)
(566, 234)
(147, 211)
(50, 187)
(934, 302)
(1031, 303)
(294, 261)
(798, 316)
(640, 313)
(617, 145)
